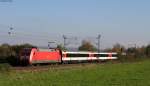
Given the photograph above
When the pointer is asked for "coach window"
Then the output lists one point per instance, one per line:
(77, 55)
(96, 55)
(100, 55)
(103, 55)
(114, 55)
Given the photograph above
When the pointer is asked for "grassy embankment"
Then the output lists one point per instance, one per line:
(119, 74)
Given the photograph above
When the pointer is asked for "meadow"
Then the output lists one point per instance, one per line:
(110, 74)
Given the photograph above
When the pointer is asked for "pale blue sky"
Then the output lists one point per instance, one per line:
(118, 21)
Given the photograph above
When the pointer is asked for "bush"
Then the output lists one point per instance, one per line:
(9, 54)
(13, 60)
(131, 58)
(4, 68)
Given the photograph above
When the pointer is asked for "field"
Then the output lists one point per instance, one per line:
(110, 74)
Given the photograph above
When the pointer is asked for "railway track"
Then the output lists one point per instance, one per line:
(60, 66)
(52, 66)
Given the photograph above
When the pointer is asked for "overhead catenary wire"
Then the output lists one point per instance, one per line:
(24, 34)
(15, 31)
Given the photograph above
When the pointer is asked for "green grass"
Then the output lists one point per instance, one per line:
(119, 74)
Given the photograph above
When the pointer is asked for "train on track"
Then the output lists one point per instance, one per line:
(31, 56)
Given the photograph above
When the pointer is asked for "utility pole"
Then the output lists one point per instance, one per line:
(98, 38)
(132, 45)
(49, 43)
(10, 32)
(135, 46)
(64, 37)
(67, 40)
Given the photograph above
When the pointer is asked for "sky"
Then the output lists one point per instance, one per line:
(39, 21)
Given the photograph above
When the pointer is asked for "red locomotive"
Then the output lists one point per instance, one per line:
(37, 56)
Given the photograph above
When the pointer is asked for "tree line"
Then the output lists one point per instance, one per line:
(123, 53)
(10, 53)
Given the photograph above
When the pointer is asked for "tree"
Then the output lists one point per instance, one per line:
(86, 46)
(17, 48)
(5, 51)
(60, 46)
(118, 48)
(10, 53)
(147, 50)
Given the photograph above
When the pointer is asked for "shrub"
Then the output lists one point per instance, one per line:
(4, 68)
